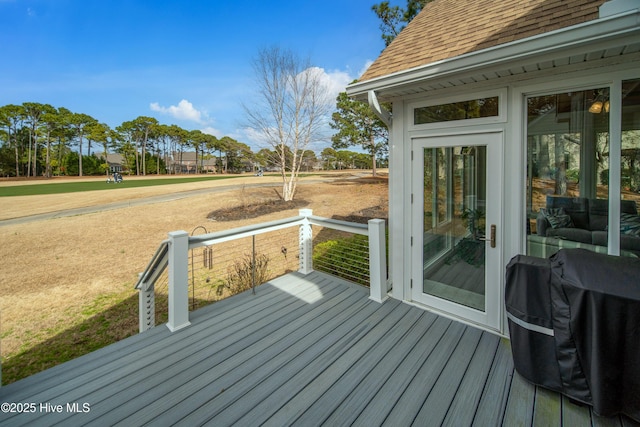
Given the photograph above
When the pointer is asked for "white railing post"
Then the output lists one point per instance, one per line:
(178, 280)
(305, 243)
(147, 309)
(377, 260)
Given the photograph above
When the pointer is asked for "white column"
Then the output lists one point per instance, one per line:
(615, 167)
(146, 309)
(305, 243)
(178, 280)
(377, 261)
(399, 206)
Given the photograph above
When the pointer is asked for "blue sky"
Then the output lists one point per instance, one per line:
(182, 62)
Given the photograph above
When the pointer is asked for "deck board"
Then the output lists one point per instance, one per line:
(305, 350)
(574, 415)
(255, 382)
(325, 374)
(379, 406)
(547, 408)
(421, 384)
(391, 364)
(520, 404)
(464, 402)
(435, 407)
(491, 408)
(262, 351)
(275, 392)
(331, 388)
(232, 355)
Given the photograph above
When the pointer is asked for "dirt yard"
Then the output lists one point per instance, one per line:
(54, 271)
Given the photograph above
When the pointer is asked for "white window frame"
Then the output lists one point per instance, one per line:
(500, 118)
(614, 84)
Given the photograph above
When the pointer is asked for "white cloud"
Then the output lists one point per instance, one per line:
(256, 137)
(366, 66)
(336, 81)
(183, 111)
(212, 131)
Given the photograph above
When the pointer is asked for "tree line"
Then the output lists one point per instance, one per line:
(41, 140)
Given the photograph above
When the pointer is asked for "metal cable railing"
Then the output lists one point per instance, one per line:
(217, 271)
(213, 266)
(345, 255)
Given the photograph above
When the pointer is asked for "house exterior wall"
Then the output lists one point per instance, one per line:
(599, 52)
(512, 122)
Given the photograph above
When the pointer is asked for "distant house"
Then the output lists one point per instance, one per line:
(186, 162)
(115, 161)
(497, 108)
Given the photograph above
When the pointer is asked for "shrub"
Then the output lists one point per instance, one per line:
(347, 258)
(573, 175)
(604, 177)
(240, 277)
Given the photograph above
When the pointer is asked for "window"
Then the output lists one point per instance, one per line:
(568, 170)
(566, 143)
(630, 167)
(463, 110)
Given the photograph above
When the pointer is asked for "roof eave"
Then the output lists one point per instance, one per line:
(566, 40)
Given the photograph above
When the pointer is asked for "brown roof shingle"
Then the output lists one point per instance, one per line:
(449, 28)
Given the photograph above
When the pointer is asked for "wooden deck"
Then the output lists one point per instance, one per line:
(306, 350)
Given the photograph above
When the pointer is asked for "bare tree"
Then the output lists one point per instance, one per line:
(291, 111)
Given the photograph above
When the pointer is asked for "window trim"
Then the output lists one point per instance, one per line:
(501, 94)
(615, 142)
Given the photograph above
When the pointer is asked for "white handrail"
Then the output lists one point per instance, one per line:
(240, 232)
(179, 243)
(154, 269)
(336, 224)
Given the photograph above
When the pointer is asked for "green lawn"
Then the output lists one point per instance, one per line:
(74, 187)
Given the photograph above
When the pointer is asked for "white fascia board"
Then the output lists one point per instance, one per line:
(570, 39)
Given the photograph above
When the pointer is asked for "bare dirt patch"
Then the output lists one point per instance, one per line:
(59, 273)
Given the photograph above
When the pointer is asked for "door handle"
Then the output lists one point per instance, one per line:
(492, 236)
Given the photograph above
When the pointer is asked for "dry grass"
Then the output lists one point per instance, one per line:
(30, 205)
(58, 273)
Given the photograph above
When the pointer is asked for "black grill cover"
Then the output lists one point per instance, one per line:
(580, 333)
(528, 304)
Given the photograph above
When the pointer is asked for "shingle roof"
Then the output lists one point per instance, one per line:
(449, 28)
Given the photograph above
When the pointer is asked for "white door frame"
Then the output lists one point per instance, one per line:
(491, 317)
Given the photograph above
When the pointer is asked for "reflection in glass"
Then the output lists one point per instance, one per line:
(630, 166)
(567, 171)
(463, 110)
(454, 224)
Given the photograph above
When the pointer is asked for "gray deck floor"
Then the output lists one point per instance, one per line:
(306, 350)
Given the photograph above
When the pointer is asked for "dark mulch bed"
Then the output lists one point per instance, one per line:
(362, 216)
(255, 210)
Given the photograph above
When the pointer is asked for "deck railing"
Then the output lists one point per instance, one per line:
(190, 266)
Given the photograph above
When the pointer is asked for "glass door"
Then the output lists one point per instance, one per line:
(456, 225)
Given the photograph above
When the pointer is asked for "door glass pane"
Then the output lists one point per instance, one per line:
(630, 169)
(454, 224)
